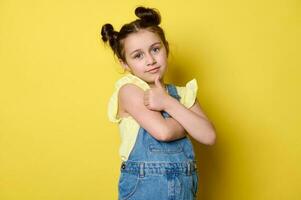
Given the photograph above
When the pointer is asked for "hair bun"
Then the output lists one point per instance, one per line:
(148, 15)
(108, 34)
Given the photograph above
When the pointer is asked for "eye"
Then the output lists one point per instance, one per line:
(137, 56)
(156, 49)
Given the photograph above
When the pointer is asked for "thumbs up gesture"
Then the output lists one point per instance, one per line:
(155, 98)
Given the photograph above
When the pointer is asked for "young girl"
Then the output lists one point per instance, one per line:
(154, 117)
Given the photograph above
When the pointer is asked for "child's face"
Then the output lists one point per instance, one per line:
(145, 55)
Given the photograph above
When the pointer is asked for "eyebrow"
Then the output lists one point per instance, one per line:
(150, 46)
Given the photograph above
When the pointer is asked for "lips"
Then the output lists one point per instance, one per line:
(153, 69)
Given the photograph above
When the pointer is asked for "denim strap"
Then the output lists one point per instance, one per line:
(172, 91)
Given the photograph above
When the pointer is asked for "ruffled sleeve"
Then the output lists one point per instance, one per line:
(113, 102)
(188, 93)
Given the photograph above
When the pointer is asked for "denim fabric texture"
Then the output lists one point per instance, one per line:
(157, 170)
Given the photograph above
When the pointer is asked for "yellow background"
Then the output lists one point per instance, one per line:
(56, 77)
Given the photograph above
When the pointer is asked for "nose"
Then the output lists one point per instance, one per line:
(150, 60)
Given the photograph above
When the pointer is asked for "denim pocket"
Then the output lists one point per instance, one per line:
(165, 147)
(195, 183)
(127, 185)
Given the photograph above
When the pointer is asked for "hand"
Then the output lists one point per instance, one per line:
(155, 98)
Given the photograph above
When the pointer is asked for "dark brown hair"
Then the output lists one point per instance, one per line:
(149, 19)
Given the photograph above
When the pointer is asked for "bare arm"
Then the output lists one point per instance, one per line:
(163, 129)
(175, 130)
(193, 120)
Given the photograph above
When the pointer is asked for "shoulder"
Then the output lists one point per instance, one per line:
(131, 88)
(130, 93)
(127, 84)
(131, 79)
(190, 85)
(188, 93)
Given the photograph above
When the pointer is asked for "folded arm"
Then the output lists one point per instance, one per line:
(163, 129)
(194, 120)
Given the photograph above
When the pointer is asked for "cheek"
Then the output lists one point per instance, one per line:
(136, 66)
(163, 58)
(132, 62)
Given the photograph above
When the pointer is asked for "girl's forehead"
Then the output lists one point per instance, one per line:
(140, 39)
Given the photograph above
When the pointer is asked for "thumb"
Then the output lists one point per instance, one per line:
(157, 82)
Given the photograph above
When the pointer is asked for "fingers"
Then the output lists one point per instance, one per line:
(157, 81)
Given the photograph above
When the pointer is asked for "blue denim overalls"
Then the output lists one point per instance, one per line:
(157, 170)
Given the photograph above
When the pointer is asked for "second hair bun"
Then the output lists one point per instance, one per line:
(148, 15)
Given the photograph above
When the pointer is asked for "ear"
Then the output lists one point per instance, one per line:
(124, 65)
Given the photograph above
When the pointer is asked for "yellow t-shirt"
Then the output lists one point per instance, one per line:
(128, 126)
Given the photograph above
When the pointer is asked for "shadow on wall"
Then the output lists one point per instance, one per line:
(208, 170)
